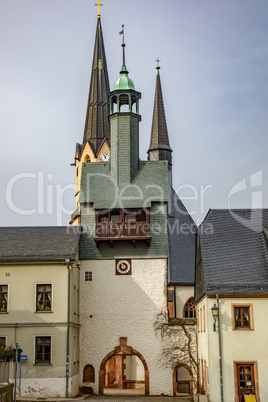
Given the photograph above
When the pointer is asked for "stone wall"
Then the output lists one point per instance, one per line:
(6, 392)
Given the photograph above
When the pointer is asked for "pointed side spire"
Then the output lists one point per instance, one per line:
(96, 125)
(159, 146)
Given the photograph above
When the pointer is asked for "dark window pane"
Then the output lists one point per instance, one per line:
(43, 349)
(141, 216)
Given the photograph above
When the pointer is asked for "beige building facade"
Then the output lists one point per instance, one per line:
(242, 350)
(232, 282)
(34, 310)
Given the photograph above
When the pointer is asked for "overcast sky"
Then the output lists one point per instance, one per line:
(214, 74)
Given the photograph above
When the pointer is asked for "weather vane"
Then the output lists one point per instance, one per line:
(98, 7)
(123, 43)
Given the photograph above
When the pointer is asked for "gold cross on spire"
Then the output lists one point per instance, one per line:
(98, 7)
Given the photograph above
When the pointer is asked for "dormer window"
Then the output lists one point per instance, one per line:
(118, 224)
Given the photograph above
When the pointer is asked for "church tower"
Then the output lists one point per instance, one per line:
(159, 145)
(96, 138)
(124, 123)
(96, 124)
(125, 251)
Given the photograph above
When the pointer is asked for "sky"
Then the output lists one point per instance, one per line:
(214, 76)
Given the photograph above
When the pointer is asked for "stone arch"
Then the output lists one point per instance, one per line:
(191, 384)
(123, 348)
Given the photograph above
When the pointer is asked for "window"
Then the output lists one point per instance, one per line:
(43, 297)
(204, 321)
(189, 309)
(3, 342)
(77, 349)
(78, 301)
(88, 276)
(171, 303)
(43, 350)
(205, 378)
(242, 317)
(122, 222)
(75, 299)
(114, 216)
(3, 298)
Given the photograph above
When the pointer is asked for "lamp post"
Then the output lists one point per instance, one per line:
(216, 315)
(67, 261)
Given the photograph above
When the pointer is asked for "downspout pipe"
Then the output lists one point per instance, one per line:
(67, 261)
(220, 354)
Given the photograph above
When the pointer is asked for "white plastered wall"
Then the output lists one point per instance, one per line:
(114, 306)
(183, 293)
(237, 345)
(134, 368)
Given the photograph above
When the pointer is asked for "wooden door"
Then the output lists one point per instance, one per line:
(246, 380)
(110, 372)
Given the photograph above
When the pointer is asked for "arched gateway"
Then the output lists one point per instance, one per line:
(186, 381)
(122, 349)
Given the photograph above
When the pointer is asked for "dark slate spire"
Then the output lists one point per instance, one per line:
(159, 145)
(96, 125)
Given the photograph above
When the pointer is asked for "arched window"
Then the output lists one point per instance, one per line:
(87, 158)
(162, 156)
(189, 309)
(89, 373)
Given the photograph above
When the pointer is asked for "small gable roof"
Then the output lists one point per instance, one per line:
(234, 252)
(38, 243)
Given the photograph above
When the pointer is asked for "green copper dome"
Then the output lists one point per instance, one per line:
(124, 82)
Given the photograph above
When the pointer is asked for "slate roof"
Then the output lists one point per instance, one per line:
(159, 132)
(38, 243)
(181, 244)
(234, 252)
(96, 124)
(150, 184)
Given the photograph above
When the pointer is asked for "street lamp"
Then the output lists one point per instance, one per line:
(215, 313)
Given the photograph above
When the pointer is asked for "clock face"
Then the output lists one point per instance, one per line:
(123, 267)
(104, 157)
